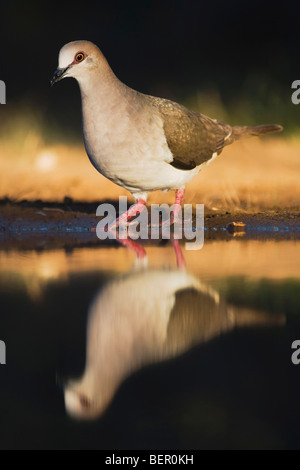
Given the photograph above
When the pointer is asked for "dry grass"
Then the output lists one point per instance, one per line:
(251, 175)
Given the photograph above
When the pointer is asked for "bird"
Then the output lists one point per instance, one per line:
(141, 142)
(145, 317)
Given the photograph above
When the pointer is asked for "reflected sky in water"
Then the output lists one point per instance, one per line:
(104, 351)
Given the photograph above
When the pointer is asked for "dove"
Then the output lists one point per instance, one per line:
(141, 142)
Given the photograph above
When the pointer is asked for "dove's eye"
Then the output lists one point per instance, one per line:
(80, 56)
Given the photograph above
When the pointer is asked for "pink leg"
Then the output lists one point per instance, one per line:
(179, 255)
(179, 195)
(138, 249)
(132, 211)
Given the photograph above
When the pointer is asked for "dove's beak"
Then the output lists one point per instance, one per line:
(59, 74)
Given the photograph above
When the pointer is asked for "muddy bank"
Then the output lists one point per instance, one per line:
(42, 225)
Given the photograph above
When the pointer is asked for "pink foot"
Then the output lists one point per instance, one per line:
(134, 210)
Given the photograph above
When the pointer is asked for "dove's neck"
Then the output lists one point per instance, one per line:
(98, 82)
(103, 96)
(108, 108)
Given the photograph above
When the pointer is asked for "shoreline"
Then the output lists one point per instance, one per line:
(43, 225)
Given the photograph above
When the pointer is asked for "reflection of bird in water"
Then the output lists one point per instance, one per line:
(143, 318)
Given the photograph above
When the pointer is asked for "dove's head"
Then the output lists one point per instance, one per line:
(81, 404)
(77, 59)
(88, 397)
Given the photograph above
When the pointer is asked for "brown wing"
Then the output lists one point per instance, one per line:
(192, 137)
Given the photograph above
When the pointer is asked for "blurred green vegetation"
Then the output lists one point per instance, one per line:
(257, 102)
(274, 296)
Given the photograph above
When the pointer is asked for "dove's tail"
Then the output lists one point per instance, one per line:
(243, 132)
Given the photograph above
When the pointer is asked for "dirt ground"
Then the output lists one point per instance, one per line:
(40, 225)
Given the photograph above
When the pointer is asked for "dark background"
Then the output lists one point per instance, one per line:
(247, 51)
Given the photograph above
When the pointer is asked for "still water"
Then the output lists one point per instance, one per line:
(105, 351)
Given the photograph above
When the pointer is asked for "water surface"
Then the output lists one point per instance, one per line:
(108, 352)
